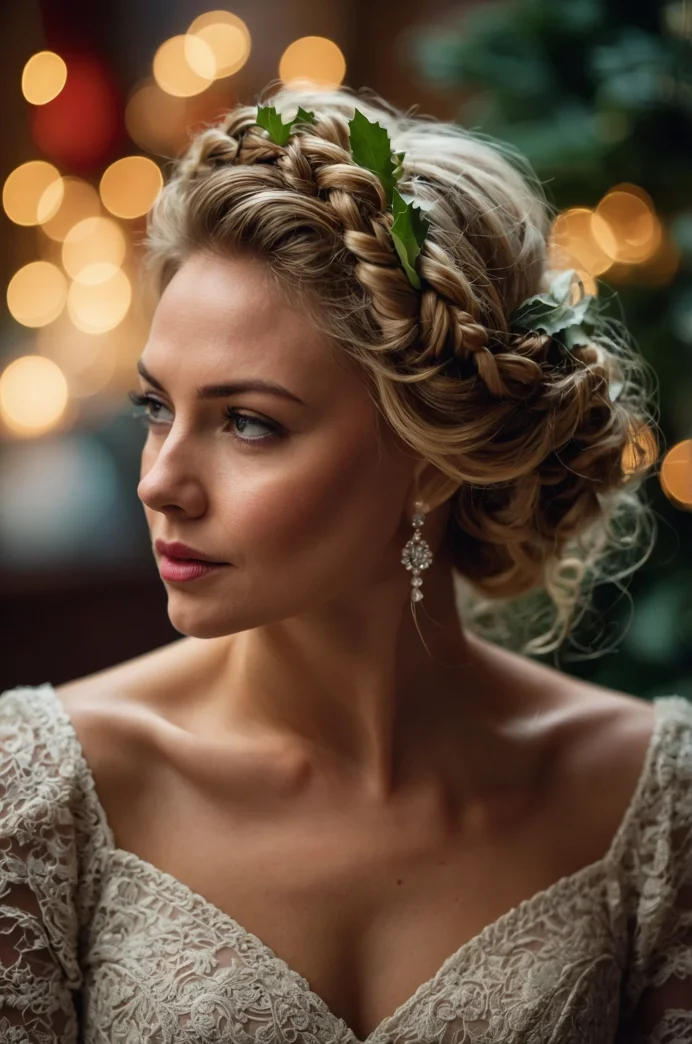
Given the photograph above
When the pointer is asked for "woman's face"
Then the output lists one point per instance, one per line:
(295, 495)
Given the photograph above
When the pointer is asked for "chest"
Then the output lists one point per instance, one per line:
(365, 906)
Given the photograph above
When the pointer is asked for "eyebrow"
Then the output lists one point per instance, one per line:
(223, 391)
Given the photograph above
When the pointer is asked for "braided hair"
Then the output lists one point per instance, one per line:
(528, 432)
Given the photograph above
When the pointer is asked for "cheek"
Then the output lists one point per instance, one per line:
(338, 498)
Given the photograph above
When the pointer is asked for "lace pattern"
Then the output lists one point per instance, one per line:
(97, 945)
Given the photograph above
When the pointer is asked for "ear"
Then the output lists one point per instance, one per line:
(431, 486)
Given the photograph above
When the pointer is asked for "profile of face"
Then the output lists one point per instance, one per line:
(297, 494)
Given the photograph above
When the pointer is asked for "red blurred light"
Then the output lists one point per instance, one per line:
(79, 128)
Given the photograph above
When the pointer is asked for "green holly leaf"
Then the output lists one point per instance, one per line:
(280, 132)
(399, 170)
(408, 232)
(269, 118)
(372, 149)
(303, 116)
(422, 204)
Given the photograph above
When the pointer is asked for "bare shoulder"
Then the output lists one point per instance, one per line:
(601, 758)
(594, 744)
(608, 730)
(590, 730)
(114, 711)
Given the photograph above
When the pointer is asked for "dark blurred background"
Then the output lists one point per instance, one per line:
(97, 99)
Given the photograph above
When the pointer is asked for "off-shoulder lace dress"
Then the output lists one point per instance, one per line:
(97, 945)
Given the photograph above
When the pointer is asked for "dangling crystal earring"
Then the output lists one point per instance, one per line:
(417, 554)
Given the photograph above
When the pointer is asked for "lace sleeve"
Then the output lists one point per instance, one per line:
(38, 874)
(663, 1012)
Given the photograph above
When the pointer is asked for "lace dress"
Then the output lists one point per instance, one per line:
(97, 945)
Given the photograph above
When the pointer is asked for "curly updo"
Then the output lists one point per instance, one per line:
(533, 435)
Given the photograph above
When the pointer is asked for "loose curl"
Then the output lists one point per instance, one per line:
(529, 432)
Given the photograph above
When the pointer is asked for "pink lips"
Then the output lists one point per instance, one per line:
(177, 570)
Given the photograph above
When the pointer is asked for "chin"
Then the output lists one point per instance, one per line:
(197, 625)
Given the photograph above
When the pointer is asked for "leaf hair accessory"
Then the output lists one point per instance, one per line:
(372, 149)
(554, 314)
(570, 324)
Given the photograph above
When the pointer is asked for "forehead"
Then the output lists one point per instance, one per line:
(230, 312)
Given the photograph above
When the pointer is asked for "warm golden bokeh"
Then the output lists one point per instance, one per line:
(36, 294)
(93, 241)
(130, 185)
(100, 306)
(635, 230)
(622, 238)
(79, 201)
(32, 193)
(184, 65)
(33, 395)
(156, 120)
(313, 60)
(88, 361)
(43, 77)
(641, 452)
(676, 475)
(228, 37)
(572, 243)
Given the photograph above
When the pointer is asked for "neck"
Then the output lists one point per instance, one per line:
(353, 690)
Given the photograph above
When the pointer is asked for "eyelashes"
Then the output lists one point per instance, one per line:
(230, 413)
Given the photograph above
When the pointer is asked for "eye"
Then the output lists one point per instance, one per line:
(232, 414)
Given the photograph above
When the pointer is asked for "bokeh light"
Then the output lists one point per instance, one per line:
(184, 65)
(96, 307)
(90, 242)
(36, 294)
(676, 475)
(87, 360)
(572, 243)
(156, 120)
(130, 185)
(228, 37)
(32, 193)
(314, 60)
(634, 230)
(33, 394)
(43, 77)
(79, 200)
(641, 451)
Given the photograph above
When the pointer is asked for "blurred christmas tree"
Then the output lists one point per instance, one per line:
(598, 95)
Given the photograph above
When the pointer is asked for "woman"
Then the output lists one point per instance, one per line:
(336, 809)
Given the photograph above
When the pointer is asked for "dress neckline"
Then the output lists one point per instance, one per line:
(262, 953)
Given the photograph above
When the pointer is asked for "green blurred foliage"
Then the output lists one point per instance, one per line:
(594, 93)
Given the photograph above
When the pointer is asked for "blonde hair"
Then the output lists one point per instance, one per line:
(528, 431)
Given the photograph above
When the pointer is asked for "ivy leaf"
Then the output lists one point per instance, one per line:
(553, 313)
(372, 149)
(540, 312)
(575, 335)
(408, 232)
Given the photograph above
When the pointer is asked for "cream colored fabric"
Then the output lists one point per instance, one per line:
(97, 945)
